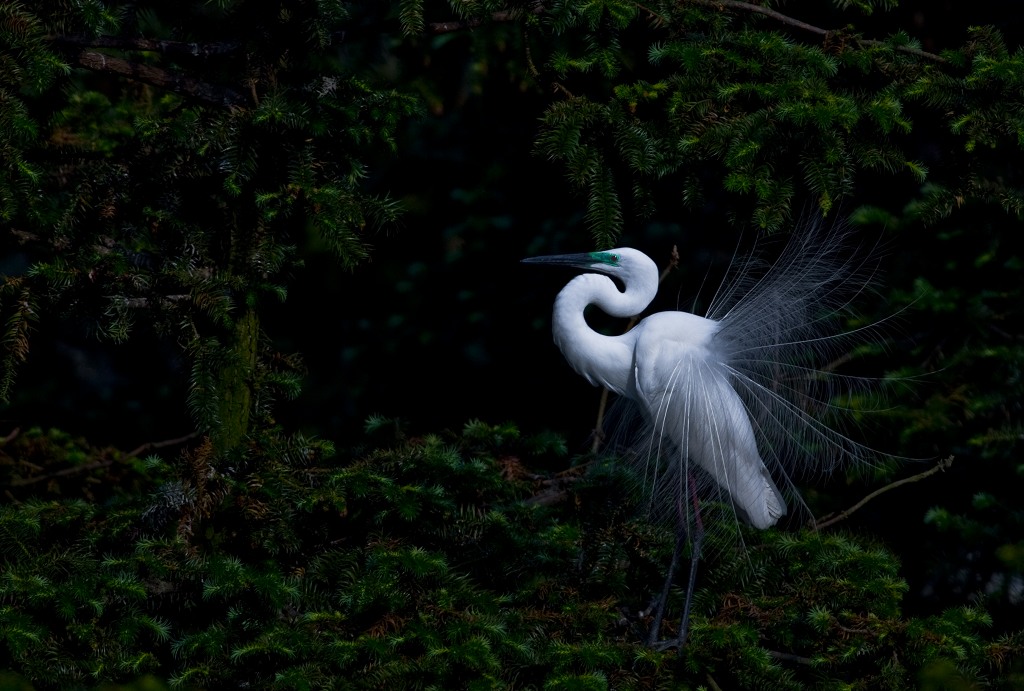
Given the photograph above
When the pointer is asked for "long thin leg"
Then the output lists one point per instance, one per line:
(698, 543)
(682, 533)
(659, 611)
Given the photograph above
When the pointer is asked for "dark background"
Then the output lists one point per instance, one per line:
(444, 324)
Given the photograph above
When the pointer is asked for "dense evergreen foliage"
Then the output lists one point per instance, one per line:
(172, 173)
(182, 202)
(434, 563)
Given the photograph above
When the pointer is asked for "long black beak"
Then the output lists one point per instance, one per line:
(581, 260)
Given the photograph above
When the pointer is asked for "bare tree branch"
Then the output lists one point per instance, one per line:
(102, 463)
(146, 303)
(173, 48)
(766, 11)
(789, 657)
(790, 21)
(149, 446)
(23, 481)
(832, 519)
(179, 83)
(508, 16)
(503, 16)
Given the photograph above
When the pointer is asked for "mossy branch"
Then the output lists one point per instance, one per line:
(236, 382)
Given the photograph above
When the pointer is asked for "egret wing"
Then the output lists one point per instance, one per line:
(696, 415)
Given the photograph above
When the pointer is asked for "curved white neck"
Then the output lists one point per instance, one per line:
(604, 360)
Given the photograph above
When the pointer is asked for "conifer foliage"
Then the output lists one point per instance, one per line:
(178, 197)
(367, 573)
(726, 100)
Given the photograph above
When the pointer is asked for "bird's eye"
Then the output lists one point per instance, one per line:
(615, 257)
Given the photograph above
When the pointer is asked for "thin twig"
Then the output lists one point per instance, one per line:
(654, 16)
(508, 16)
(817, 30)
(833, 519)
(11, 437)
(502, 16)
(23, 481)
(790, 657)
(179, 48)
(148, 446)
(146, 303)
(766, 11)
(909, 50)
(847, 629)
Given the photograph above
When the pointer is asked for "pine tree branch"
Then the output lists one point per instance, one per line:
(102, 463)
(790, 21)
(23, 481)
(713, 683)
(832, 519)
(511, 15)
(208, 93)
(502, 16)
(172, 48)
(789, 657)
(766, 11)
(147, 303)
(149, 446)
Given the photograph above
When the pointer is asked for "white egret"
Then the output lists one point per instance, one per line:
(735, 402)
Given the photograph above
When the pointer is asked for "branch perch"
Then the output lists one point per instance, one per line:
(502, 16)
(147, 74)
(174, 48)
(817, 30)
(832, 519)
(103, 463)
(149, 446)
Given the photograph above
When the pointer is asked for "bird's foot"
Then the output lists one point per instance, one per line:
(659, 644)
(667, 644)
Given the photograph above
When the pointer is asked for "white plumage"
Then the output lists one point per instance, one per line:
(738, 401)
(747, 393)
(671, 366)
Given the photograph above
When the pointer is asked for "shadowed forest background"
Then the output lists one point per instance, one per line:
(284, 238)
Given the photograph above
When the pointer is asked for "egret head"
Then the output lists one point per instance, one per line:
(625, 264)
